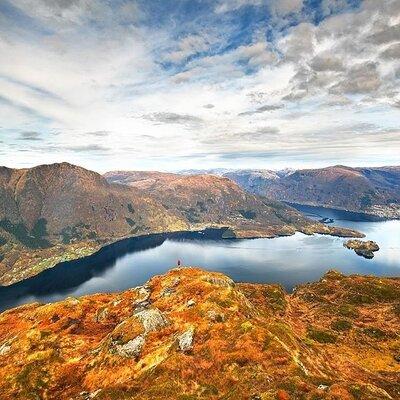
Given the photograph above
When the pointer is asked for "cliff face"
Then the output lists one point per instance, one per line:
(371, 190)
(192, 334)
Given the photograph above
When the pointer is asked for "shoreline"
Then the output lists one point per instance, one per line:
(365, 215)
(226, 232)
(66, 276)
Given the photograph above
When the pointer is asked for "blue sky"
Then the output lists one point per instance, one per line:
(169, 85)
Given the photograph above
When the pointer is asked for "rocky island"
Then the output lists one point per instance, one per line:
(364, 248)
(192, 334)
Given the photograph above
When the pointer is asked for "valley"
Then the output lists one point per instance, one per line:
(59, 212)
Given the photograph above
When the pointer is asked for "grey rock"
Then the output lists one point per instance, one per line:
(167, 292)
(4, 348)
(141, 305)
(191, 303)
(223, 282)
(176, 281)
(143, 301)
(152, 319)
(132, 348)
(101, 314)
(89, 396)
(73, 301)
(185, 340)
(215, 316)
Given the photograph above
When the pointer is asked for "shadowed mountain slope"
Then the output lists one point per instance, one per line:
(56, 212)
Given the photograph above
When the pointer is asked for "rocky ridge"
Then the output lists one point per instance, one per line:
(373, 191)
(192, 334)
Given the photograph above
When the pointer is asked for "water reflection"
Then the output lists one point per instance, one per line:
(287, 260)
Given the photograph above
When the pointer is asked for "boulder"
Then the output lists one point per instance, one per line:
(152, 319)
(132, 348)
(4, 348)
(185, 340)
(191, 303)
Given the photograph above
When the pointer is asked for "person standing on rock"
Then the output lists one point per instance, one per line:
(178, 263)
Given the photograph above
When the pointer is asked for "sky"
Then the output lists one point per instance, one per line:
(195, 84)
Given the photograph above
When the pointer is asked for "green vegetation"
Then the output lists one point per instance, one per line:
(374, 333)
(396, 309)
(76, 233)
(201, 206)
(321, 336)
(130, 221)
(192, 215)
(3, 241)
(348, 310)
(355, 391)
(40, 228)
(366, 201)
(248, 214)
(369, 292)
(275, 297)
(341, 325)
(130, 208)
(33, 239)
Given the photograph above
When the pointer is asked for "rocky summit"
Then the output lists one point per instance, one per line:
(192, 334)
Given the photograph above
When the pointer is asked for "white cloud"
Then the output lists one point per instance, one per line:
(284, 7)
(95, 77)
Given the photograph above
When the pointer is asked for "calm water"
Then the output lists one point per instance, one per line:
(287, 260)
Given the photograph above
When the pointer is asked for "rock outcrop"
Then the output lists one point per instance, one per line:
(364, 248)
(333, 339)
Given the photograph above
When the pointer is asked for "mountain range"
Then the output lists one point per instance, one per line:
(374, 191)
(58, 212)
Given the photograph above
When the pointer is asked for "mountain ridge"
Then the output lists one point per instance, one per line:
(370, 190)
(59, 212)
(195, 334)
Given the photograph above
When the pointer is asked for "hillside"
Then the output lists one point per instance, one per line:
(374, 191)
(192, 334)
(57, 212)
(205, 199)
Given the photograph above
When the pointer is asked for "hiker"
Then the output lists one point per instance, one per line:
(178, 263)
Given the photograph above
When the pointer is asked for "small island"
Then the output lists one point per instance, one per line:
(364, 248)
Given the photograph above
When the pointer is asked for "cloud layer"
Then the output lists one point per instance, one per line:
(173, 85)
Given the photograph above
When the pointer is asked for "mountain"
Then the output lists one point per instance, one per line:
(374, 191)
(57, 212)
(192, 334)
(205, 199)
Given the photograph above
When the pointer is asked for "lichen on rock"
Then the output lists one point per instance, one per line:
(185, 340)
